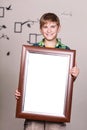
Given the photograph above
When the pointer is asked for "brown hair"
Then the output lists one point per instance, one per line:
(49, 17)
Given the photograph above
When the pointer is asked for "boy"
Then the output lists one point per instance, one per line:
(49, 27)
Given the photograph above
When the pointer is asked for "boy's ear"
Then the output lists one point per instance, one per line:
(40, 30)
(59, 28)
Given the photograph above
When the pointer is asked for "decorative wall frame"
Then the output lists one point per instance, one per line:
(45, 84)
(34, 38)
(2, 11)
(18, 27)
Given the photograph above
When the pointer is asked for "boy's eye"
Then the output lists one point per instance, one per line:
(53, 26)
(44, 26)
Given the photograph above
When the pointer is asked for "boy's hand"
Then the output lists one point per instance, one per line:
(74, 71)
(17, 94)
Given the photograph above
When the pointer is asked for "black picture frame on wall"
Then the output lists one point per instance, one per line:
(2, 12)
(17, 27)
(45, 84)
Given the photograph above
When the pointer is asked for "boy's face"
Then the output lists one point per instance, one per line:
(50, 30)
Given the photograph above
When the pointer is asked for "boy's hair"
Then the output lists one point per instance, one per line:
(49, 17)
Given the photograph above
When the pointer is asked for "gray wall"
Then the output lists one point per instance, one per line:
(73, 16)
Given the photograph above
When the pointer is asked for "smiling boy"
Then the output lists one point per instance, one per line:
(49, 27)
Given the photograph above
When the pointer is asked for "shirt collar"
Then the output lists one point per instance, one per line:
(41, 43)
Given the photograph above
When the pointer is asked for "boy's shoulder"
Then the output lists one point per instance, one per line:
(36, 44)
(62, 46)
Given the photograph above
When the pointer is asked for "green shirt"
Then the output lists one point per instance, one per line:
(58, 44)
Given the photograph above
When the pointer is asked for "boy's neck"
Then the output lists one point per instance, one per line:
(50, 44)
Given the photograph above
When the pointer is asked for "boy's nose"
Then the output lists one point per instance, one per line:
(48, 30)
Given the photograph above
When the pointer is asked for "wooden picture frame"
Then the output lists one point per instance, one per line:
(45, 84)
